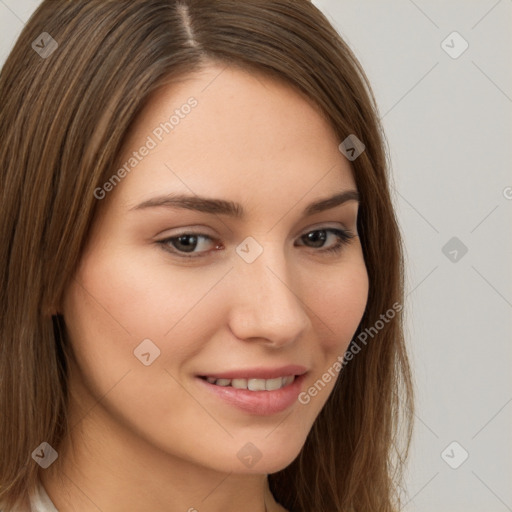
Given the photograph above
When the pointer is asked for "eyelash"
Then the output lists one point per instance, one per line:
(344, 237)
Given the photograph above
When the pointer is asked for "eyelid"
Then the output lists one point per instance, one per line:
(325, 225)
(199, 230)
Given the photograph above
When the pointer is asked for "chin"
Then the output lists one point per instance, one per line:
(263, 455)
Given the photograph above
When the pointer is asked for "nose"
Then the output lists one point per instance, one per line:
(265, 305)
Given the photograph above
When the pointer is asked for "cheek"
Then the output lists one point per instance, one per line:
(118, 300)
(108, 318)
(135, 295)
(339, 302)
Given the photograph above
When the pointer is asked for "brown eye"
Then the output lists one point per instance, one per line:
(186, 244)
(318, 238)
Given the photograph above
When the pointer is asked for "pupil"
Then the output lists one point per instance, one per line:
(317, 237)
(188, 246)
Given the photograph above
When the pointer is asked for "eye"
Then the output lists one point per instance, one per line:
(187, 243)
(194, 245)
(318, 237)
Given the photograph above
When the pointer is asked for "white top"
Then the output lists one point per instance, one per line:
(39, 502)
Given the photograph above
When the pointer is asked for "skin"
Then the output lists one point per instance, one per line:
(150, 437)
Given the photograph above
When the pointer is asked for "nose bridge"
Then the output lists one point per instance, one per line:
(267, 304)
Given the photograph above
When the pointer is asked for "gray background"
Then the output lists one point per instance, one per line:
(448, 122)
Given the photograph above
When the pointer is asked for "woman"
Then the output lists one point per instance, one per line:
(201, 268)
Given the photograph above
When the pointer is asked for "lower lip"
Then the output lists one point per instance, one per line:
(263, 403)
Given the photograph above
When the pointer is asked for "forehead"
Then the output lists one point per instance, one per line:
(231, 133)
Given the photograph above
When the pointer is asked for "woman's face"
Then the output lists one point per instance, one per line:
(170, 293)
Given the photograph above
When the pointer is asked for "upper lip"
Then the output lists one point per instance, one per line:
(258, 373)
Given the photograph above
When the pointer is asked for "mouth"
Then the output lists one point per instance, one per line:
(252, 384)
(257, 391)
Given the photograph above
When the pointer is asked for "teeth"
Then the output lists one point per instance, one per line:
(288, 380)
(271, 384)
(239, 383)
(254, 384)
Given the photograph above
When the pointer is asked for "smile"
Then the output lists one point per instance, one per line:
(258, 391)
(253, 384)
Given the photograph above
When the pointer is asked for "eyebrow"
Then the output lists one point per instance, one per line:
(236, 210)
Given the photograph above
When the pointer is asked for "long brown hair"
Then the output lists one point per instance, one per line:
(63, 119)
